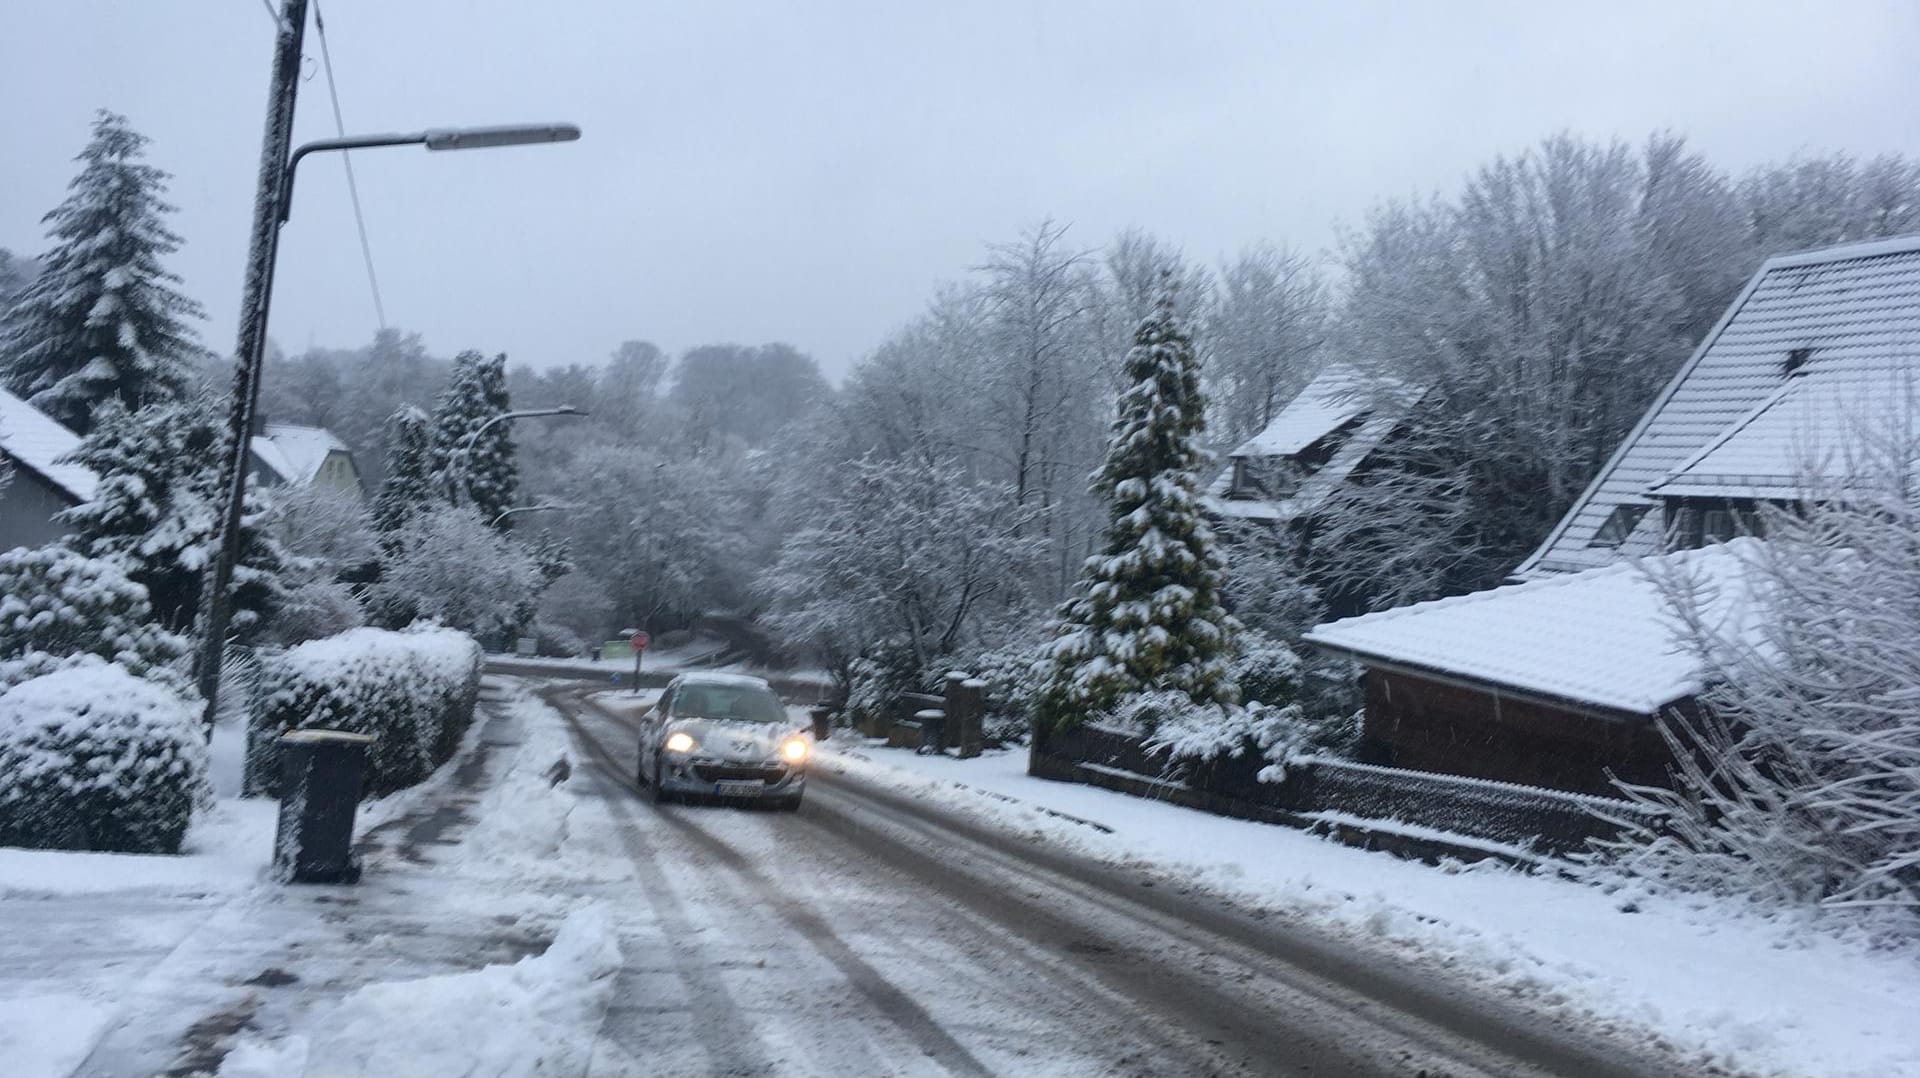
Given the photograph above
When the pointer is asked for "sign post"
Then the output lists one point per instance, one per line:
(639, 639)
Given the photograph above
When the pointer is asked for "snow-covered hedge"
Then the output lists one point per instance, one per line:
(413, 690)
(94, 758)
(56, 605)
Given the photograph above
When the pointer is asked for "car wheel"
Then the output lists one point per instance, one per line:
(788, 804)
(656, 788)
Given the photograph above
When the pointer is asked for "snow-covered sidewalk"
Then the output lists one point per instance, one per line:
(120, 965)
(1717, 981)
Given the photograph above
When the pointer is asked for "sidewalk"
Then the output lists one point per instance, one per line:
(121, 966)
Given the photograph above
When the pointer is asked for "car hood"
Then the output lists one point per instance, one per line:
(733, 740)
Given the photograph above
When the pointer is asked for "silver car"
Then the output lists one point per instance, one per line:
(723, 735)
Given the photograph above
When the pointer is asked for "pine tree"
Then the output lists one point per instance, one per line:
(154, 513)
(1146, 615)
(410, 485)
(480, 471)
(103, 320)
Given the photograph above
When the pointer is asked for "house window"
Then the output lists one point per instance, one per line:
(1239, 487)
(1618, 525)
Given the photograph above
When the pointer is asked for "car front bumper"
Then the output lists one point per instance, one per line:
(712, 777)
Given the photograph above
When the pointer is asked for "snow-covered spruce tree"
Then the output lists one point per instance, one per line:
(103, 320)
(1146, 615)
(410, 485)
(480, 470)
(154, 513)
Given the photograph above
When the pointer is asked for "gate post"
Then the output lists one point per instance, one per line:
(966, 707)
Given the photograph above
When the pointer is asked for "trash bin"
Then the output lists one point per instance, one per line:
(320, 774)
(822, 717)
(933, 729)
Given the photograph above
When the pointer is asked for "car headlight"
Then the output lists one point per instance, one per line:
(679, 741)
(793, 750)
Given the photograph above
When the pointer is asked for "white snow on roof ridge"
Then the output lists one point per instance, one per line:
(1604, 637)
(34, 440)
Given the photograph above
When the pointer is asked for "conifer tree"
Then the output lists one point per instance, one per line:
(104, 320)
(479, 471)
(1146, 615)
(410, 485)
(153, 513)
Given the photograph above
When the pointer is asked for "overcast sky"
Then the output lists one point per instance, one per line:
(809, 172)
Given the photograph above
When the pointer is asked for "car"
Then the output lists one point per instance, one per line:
(723, 735)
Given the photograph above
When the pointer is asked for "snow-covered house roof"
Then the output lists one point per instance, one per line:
(1808, 343)
(1340, 398)
(295, 454)
(33, 440)
(1334, 397)
(1604, 638)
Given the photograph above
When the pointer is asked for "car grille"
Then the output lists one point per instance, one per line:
(767, 773)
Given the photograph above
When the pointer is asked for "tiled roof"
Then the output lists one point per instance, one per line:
(1856, 308)
(33, 440)
(1604, 637)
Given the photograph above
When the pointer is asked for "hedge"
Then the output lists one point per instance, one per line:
(94, 758)
(414, 691)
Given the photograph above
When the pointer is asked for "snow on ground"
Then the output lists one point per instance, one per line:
(115, 955)
(1767, 994)
(534, 1017)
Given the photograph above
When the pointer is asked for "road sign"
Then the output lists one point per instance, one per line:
(640, 640)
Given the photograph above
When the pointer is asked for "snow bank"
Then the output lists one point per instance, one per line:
(93, 758)
(415, 691)
(532, 1019)
(1721, 983)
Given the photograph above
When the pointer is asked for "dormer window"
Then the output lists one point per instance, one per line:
(1618, 525)
(1796, 359)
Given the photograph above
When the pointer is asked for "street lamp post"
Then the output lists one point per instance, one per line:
(457, 463)
(269, 213)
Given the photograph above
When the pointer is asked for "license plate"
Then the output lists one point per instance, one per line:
(739, 786)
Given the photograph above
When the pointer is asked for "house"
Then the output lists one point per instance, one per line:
(289, 455)
(32, 445)
(1558, 677)
(1814, 343)
(1314, 444)
(1553, 682)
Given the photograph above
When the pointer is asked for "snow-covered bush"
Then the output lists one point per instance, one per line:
(875, 682)
(1267, 670)
(310, 611)
(1800, 780)
(1014, 675)
(94, 758)
(449, 566)
(56, 605)
(414, 691)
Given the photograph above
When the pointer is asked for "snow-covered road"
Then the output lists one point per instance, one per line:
(873, 933)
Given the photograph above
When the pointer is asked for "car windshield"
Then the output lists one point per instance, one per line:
(733, 703)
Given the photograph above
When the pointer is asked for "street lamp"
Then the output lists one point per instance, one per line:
(544, 507)
(439, 138)
(270, 209)
(457, 463)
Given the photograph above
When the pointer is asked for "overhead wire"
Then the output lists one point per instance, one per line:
(346, 159)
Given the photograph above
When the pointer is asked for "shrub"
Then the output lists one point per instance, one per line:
(56, 605)
(1014, 675)
(414, 691)
(94, 758)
